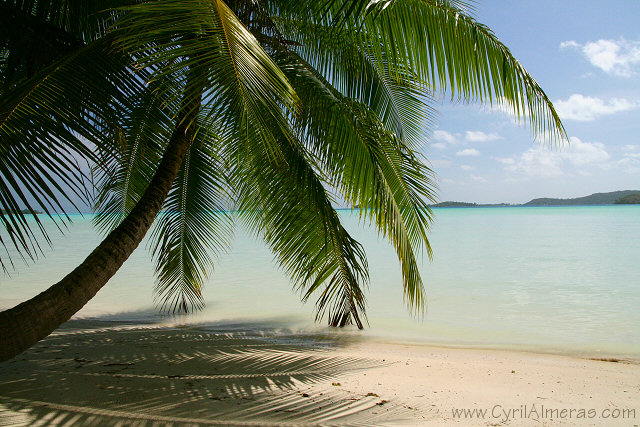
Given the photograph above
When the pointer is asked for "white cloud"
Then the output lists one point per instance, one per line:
(468, 152)
(630, 147)
(569, 43)
(630, 163)
(438, 145)
(478, 178)
(467, 167)
(618, 57)
(542, 162)
(505, 160)
(537, 162)
(582, 153)
(587, 108)
(443, 135)
(479, 136)
(440, 163)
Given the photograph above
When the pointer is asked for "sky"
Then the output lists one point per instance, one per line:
(586, 56)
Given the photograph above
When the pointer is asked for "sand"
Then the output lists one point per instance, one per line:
(100, 373)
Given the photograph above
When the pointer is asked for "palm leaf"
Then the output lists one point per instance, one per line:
(453, 52)
(290, 208)
(34, 34)
(372, 168)
(122, 179)
(441, 44)
(193, 227)
(243, 82)
(47, 129)
(399, 100)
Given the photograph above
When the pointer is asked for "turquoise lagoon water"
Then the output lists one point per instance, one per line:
(552, 279)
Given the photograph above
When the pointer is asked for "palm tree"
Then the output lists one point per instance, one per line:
(273, 109)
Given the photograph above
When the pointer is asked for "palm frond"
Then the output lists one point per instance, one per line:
(442, 44)
(34, 34)
(173, 36)
(339, 13)
(193, 227)
(48, 126)
(290, 208)
(453, 52)
(299, 99)
(372, 168)
(399, 99)
(123, 177)
(392, 189)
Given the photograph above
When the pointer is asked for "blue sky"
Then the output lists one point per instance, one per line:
(586, 56)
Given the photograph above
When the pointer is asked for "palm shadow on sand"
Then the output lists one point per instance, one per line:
(114, 374)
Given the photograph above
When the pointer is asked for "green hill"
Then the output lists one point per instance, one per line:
(631, 199)
(450, 204)
(593, 199)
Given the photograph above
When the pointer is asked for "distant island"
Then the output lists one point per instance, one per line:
(594, 199)
(449, 204)
(624, 197)
(23, 211)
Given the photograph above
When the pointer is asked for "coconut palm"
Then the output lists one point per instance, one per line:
(275, 110)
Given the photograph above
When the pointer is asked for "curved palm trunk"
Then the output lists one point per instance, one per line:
(27, 323)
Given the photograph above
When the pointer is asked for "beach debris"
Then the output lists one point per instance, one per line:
(606, 359)
(336, 384)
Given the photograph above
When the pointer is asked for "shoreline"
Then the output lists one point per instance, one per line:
(281, 330)
(558, 284)
(522, 349)
(108, 373)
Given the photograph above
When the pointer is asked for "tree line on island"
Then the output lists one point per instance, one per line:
(22, 211)
(624, 197)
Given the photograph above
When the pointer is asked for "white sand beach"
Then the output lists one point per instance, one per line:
(101, 373)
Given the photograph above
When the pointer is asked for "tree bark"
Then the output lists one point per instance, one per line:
(29, 322)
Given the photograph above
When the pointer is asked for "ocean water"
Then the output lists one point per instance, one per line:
(552, 279)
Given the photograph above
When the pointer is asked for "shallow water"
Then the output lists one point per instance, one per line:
(553, 279)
